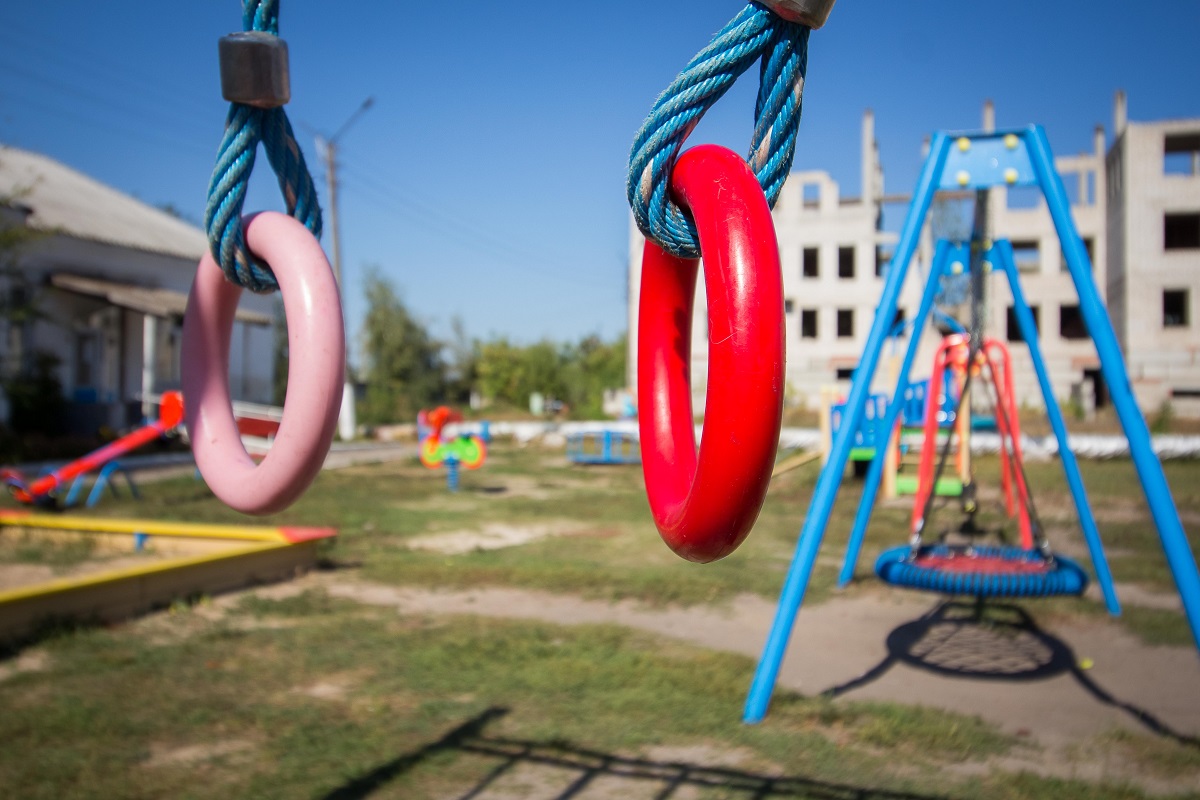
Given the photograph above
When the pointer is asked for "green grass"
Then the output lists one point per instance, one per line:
(309, 603)
(307, 694)
(1156, 756)
(115, 709)
(32, 548)
(619, 555)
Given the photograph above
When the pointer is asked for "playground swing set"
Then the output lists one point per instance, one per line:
(707, 200)
(979, 161)
(704, 504)
(903, 445)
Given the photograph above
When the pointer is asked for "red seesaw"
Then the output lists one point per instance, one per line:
(169, 416)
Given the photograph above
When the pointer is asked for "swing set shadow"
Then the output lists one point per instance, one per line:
(994, 642)
(579, 768)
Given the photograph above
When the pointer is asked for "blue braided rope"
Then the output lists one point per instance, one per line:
(261, 15)
(245, 127)
(1065, 577)
(755, 34)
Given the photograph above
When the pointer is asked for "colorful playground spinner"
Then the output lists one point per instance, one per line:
(466, 450)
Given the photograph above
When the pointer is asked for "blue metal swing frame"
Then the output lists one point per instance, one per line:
(978, 161)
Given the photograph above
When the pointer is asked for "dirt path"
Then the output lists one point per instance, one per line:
(845, 643)
(861, 647)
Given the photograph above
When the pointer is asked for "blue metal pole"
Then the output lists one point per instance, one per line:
(825, 492)
(1002, 256)
(1112, 365)
(875, 474)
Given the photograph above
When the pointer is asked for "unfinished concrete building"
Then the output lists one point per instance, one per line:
(1153, 240)
(1137, 210)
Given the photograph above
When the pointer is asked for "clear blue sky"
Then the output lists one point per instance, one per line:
(488, 179)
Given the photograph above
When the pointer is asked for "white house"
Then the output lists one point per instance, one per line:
(108, 276)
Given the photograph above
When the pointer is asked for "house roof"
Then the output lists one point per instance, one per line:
(69, 202)
(155, 302)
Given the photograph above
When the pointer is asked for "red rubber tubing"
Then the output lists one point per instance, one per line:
(705, 503)
(997, 352)
(942, 360)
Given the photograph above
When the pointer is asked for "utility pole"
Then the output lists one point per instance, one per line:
(347, 422)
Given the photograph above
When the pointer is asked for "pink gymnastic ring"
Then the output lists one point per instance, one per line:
(316, 340)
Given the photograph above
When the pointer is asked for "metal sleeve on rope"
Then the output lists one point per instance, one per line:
(254, 69)
(254, 76)
(812, 13)
(756, 34)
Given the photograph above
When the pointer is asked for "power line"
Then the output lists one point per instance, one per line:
(117, 109)
(459, 233)
(116, 103)
(132, 132)
(98, 65)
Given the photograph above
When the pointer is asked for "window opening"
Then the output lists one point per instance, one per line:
(1070, 323)
(1013, 330)
(1181, 154)
(811, 262)
(845, 262)
(1175, 308)
(1181, 231)
(808, 323)
(845, 323)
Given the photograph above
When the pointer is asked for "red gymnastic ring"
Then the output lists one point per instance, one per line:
(705, 504)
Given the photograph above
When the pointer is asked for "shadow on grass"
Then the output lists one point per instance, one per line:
(577, 768)
(994, 642)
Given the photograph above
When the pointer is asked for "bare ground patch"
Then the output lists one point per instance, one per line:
(494, 536)
(192, 754)
(32, 660)
(843, 645)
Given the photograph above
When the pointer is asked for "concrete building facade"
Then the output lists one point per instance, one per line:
(833, 252)
(1153, 227)
(1022, 217)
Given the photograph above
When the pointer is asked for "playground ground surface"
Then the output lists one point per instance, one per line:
(530, 637)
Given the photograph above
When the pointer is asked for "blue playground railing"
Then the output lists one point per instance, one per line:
(603, 447)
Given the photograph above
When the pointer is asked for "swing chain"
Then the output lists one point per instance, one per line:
(763, 32)
(1041, 542)
(254, 78)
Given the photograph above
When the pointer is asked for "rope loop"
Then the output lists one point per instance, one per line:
(245, 127)
(755, 34)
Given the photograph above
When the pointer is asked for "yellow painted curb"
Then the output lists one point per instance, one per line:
(255, 554)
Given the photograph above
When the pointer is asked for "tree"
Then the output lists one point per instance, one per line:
(404, 369)
(574, 374)
(29, 380)
(18, 296)
(502, 373)
(593, 366)
(462, 367)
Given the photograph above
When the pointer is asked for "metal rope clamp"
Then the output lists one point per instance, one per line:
(812, 13)
(254, 69)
